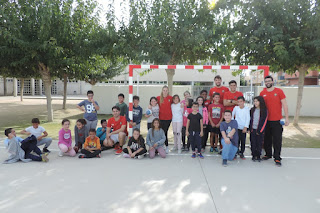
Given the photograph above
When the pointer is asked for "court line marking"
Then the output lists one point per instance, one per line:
(216, 155)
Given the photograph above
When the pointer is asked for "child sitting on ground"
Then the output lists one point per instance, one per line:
(40, 133)
(65, 139)
(80, 134)
(156, 139)
(20, 149)
(91, 147)
(136, 147)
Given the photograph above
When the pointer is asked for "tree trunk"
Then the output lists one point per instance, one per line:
(65, 85)
(21, 88)
(4, 86)
(302, 74)
(170, 74)
(46, 78)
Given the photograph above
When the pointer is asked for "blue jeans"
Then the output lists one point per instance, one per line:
(228, 150)
(46, 141)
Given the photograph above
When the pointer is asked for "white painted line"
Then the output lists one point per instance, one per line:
(213, 155)
(145, 66)
(163, 66)
(180, 66)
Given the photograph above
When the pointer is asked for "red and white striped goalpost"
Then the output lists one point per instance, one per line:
(187, 67)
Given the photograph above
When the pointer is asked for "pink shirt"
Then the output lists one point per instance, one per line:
(65, 137)
(186, 112)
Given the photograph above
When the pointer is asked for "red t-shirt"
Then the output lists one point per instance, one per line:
(273, 102)
(220, 90)
(231, 96)
(216, 111)
(207, 103)
(115, 125)
(165, 112)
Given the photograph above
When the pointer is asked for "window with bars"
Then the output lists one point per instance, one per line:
(27, 87)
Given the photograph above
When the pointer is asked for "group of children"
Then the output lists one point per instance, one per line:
(194, 119)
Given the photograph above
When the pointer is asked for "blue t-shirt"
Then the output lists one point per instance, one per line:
(227, 127)
(6, 141)
(90, 111)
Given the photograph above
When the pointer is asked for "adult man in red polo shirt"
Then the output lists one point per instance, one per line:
(275, 100)
(230, 99)
(119, 133)
(218, 88)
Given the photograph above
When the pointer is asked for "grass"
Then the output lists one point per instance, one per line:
(18, 115)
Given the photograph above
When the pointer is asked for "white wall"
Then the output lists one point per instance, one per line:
(310, 100)
(9, 86)
(107, 95)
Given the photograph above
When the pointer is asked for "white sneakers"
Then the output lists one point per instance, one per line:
(60, 154)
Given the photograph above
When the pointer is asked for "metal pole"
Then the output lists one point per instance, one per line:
(251, 88)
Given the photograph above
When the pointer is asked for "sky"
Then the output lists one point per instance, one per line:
(118, 4)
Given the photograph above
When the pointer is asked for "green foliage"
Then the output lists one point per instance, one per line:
(282, 33)
(172, 32)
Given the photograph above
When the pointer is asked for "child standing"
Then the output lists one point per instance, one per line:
(80, 134)
(187, 96)
(90, 108)
(204, 113)
(215, 117)
(258, 121)
(229, 139)
(136, 147)
(241, 114)
(65, 139)
(91, 147)
(204, 94)
(177, 110)
(156, 139)
(136, 113)
(194, 130)
(186, 111)
(40, 133)
(122, 105)
(154, 107)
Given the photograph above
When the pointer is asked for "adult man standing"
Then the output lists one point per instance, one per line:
(118, 125)
(218, 89)
(230, 99)
(275, 100)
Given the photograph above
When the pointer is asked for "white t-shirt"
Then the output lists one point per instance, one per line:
(177, 112)
(36, 132)
(242, 116)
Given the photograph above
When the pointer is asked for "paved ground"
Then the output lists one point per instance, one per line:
(175, 184)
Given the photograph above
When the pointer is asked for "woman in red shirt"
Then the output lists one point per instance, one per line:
(165, 113)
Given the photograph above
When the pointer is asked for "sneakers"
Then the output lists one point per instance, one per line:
(167, 149)
(193, 155)
(278, 163)
(211, 149)
(44, 158)
(82, 156)
(183, 148)
(116, 146)
(125, 155)
(266, 157)
(141, 156)
(242, 156)
(224, 163)
(179, 151)
(259, 159)
(119, 151)
(202, 150)
(99, 155)
(200, 155)
(254, 159)
(60, 153)
(216, 149)
(45, 149)
(174, 149)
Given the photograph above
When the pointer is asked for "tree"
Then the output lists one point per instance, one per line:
(281, 33)
(51, 34)
(172, 32)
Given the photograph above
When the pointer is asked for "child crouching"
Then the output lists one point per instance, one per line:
(136, 147)
(92, 146)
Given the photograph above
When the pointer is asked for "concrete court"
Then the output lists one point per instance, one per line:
(175, 184)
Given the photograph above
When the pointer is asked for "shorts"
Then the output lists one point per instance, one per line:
(215, 130)
(115, 138)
